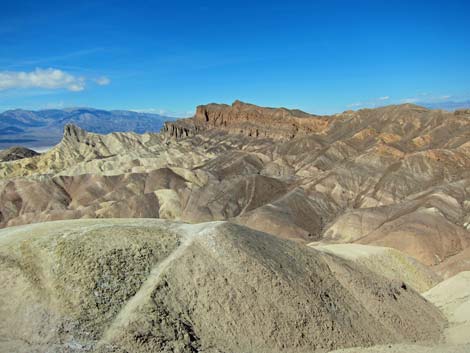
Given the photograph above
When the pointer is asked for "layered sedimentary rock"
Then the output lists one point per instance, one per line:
(250, 120)
(396, 176)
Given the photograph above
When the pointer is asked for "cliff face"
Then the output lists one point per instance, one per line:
(181, 128)
(249, 120)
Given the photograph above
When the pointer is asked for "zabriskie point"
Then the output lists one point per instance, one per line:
(253, 230)
(235, 176)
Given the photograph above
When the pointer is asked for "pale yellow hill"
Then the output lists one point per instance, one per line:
(157, 286)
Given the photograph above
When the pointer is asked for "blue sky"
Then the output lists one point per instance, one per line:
(321, 56)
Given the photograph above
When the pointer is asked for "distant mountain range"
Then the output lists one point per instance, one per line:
(449, 106)
(45, 127)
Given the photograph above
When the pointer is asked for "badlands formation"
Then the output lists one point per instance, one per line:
(14, 153)
(278, 231)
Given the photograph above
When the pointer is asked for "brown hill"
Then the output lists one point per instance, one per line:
(15, 153)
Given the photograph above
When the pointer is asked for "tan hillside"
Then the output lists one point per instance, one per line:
(453, 298)
(386, 262)
(156, 286)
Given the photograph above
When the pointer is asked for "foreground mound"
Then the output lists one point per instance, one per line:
(453, 297)
(157, 286)
(406, 348)
(387, 262)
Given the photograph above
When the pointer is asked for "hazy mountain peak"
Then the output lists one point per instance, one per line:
(44, 127)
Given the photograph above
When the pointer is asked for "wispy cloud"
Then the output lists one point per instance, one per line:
(374, 102)
(103, 81)
(425, 99)
(41, 78)
(164, 112)
(355, 105)
(54, 60)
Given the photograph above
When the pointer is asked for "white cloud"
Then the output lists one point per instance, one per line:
(164, 112)
(427, 98)
(384, 98)
(103, 81)
(41, 78)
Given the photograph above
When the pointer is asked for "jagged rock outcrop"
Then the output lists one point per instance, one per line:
(181, 128)
(250, 120)
(82, 152)
(398, 124)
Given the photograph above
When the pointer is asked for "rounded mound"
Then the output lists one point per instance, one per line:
(157, 286)
(386, 262)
